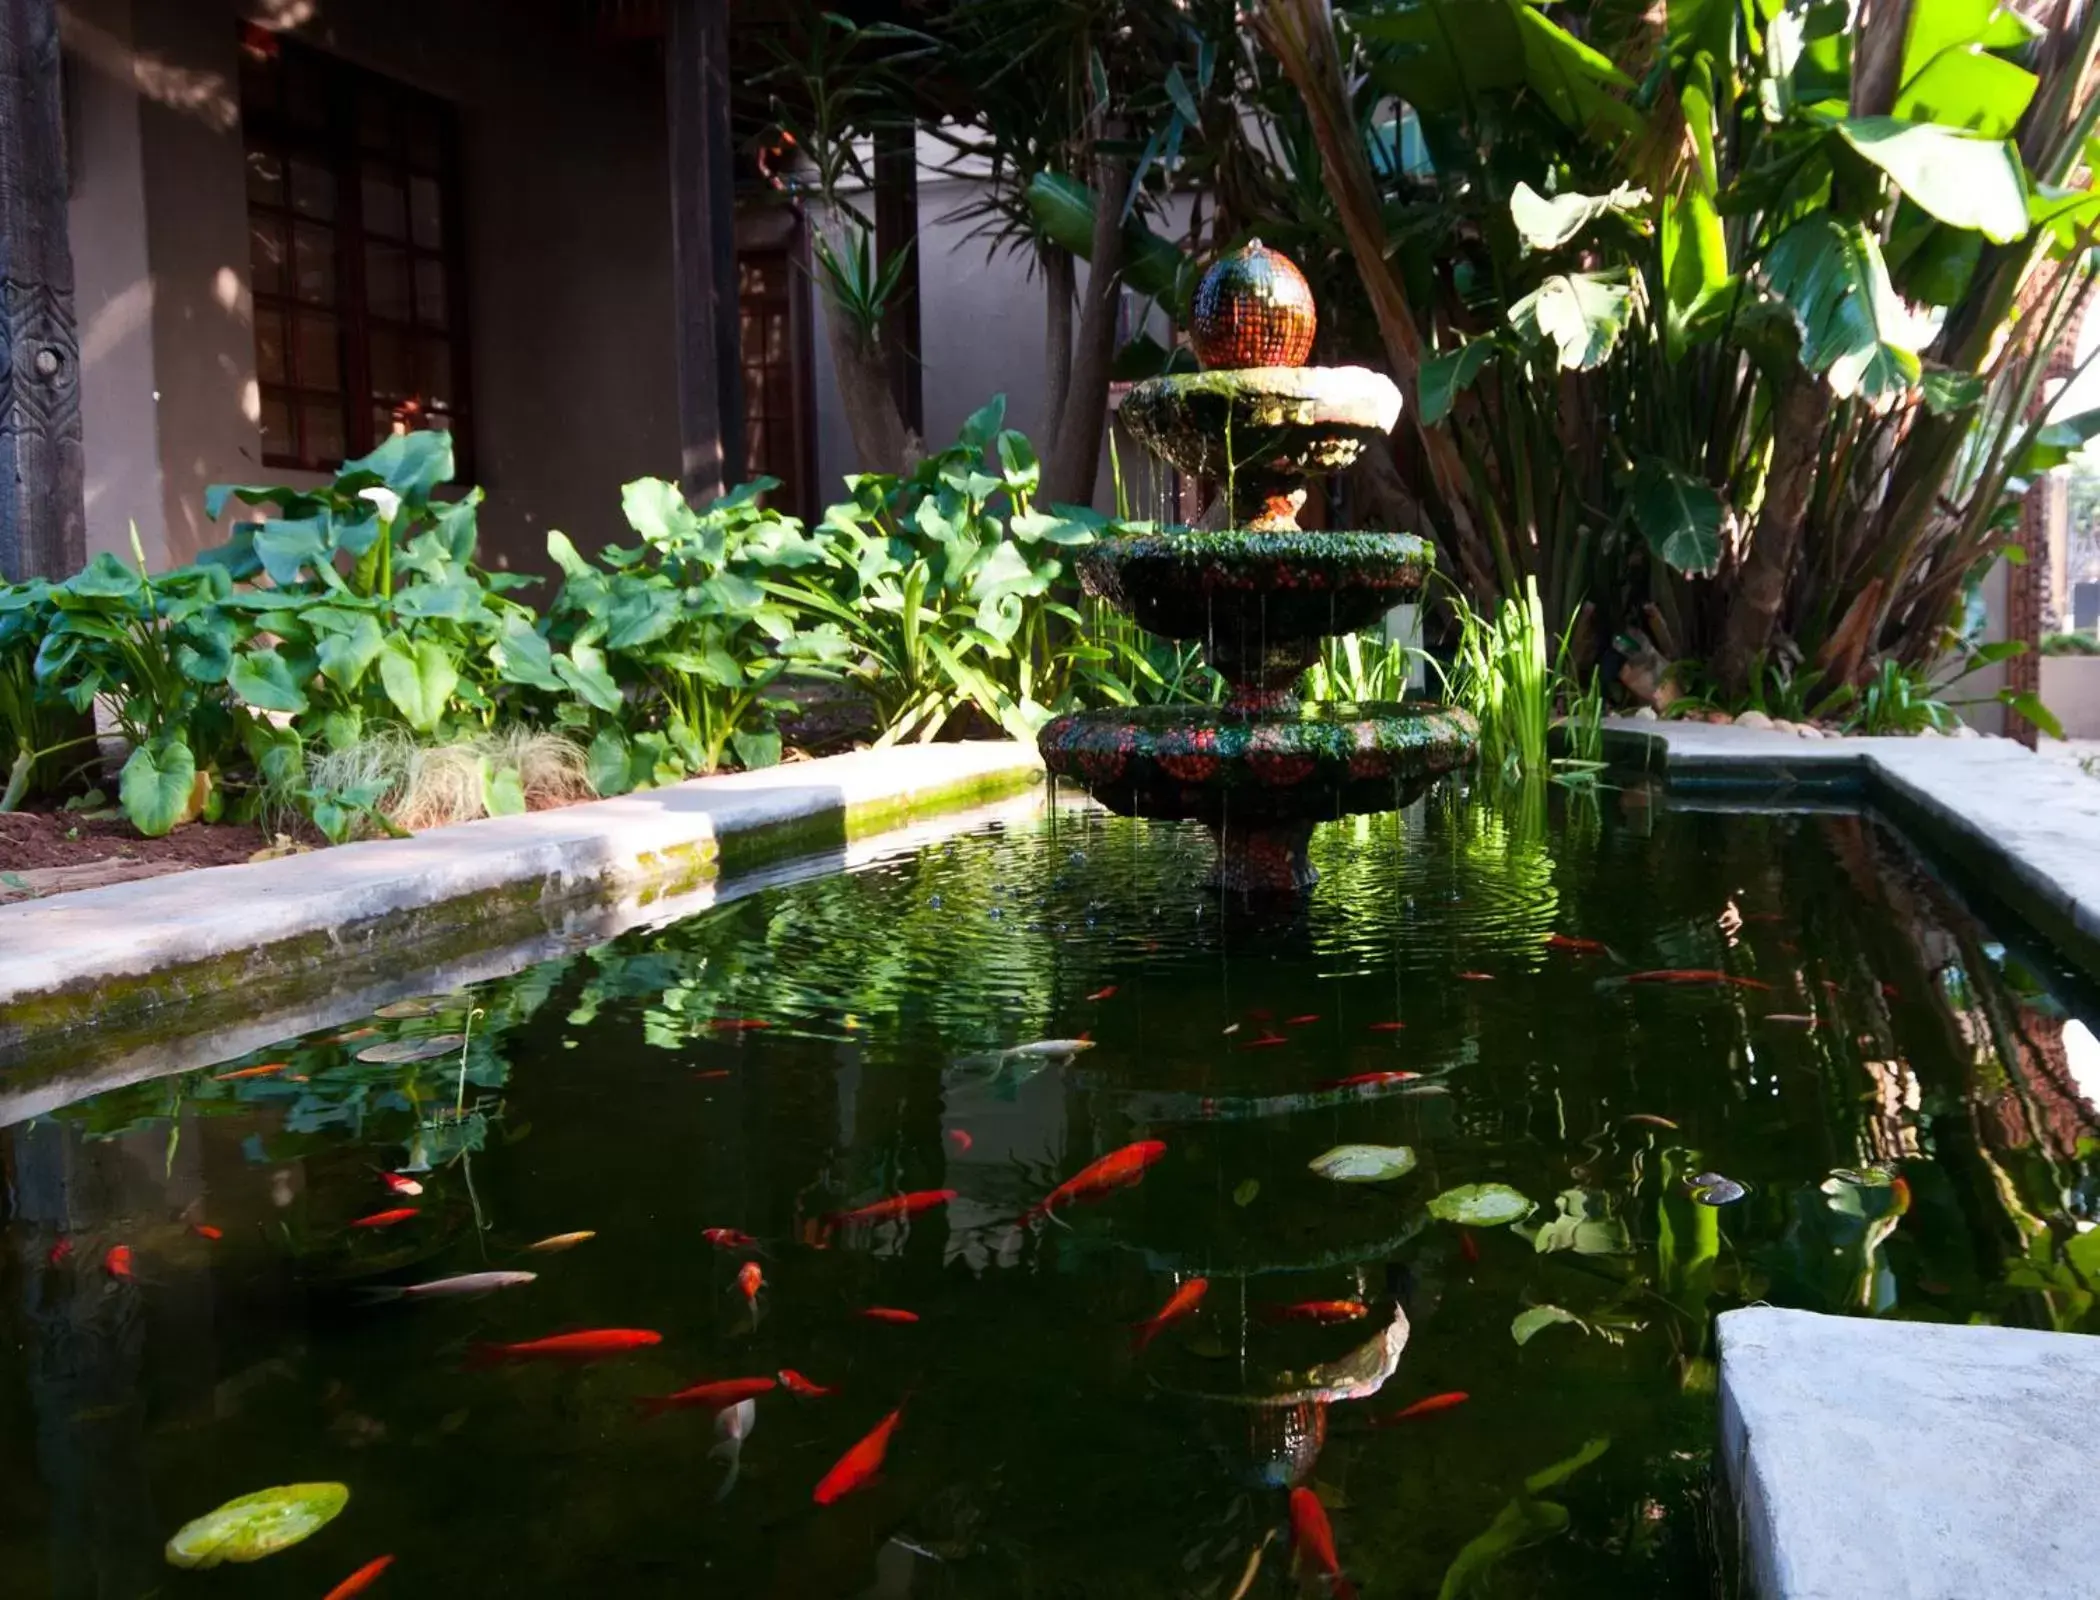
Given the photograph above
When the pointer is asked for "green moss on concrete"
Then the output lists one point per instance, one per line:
(127, 1012)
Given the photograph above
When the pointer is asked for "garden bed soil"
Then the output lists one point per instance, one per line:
(47, 852)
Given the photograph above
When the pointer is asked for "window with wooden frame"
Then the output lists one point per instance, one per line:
(774, 314)
(354, 244)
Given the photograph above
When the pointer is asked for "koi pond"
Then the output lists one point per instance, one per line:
(1621, 1065)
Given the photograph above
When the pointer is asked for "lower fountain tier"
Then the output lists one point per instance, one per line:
(1300, 763)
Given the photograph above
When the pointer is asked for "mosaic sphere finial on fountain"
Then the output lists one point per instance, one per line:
(1253, 308)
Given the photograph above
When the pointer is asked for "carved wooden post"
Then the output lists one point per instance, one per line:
(703, 249)
(43, 522)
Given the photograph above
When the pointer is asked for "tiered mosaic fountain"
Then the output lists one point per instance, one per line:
(1260, 593)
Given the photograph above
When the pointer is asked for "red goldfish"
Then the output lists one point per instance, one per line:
(1108, 993)
(360, 1580)
(888, 1314)
(960, 1138)
(1467, 1248)
(1691, 975)
(728, 1239)
(205, 1230)
(1116, 1170)
(711, 1076)
(593, 1344)
(748, 1279)
(796, 1384)
(1181, 1303)
(1423, 1408)
(895, 1208)
(1365, 1080)
(738, 1024)
(385, 1219)
(1319, 1311)
(1305, 1021)
(1312, 1540)
(1388, 1027)
(60, 1252)
(1267, 1041)
(116, 1261)
(857, 1468)
(398, 1184)
(263, 1071)
(716, 1396)
(1581, 947)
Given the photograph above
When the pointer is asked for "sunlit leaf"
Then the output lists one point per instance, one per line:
(1536, 1319)
(1364, 1163)
(257, 1525)
(1480, 1205)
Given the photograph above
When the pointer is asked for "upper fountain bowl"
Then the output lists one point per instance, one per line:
(1261, 430)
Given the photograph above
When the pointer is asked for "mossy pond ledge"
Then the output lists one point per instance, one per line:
(2018, 839)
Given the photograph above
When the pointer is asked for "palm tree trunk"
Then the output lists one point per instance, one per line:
(1074, 458)
(1760, 591)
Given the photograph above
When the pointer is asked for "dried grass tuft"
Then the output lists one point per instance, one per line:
(430, 785)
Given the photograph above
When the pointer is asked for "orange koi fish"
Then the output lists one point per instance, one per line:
(1364, 1080)
(1181, 1303)
(712, 1075)
(748, 1279)
(385, 1219)
(593, 1344)
(1581, 947)
(716, 1396)
(263, 1071)
(857, 1468)
(205, 1230)
(116, 1261)
(562, 1241)
(1108, 993)
(796, 1384)
(894, 1209)
(960, 1138)
(398, 1184)
(360, 1580)
(887, 1314)
(1388, 1027)
(1322, 1311)
(1305, 1021)
(728, 1239)
(1695, 975)
(1423, 1408)
(60, 1252)
(738, 1024)
(1312, 1540)
(1117, 1170)
(1470, 977)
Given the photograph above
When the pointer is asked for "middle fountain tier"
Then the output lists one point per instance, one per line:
(1259, 594)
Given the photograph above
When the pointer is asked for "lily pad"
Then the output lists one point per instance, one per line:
(1480, 1205)
(1712, 1189)
(1537, 1319)
(429, 1006)
(423, 1049)
(257, 1525)
(1365, 1163)
(1245, 1193)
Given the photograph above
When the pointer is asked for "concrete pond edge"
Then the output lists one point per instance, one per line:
(227, 943)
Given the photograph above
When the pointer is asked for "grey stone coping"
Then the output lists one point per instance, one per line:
(1879, 1460)
(227, 942)
(2027, 826)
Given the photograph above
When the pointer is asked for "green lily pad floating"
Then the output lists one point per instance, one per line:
(1480, 1205)
(1245, 1193)
(394, 1050)
(258, 1525)
(429, 1006)
(1366, 1163)
(1537, 1320)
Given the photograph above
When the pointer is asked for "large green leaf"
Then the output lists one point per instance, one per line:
(608, 762)
(1695, 265)
(1947, 73)
(1831, 275)
(522, 656)
(264, 680)
(1678, 515)
(1443, 377)
(756, 748)
(502, 790)
(657, 510)
(583, 670)
(2054, 442)
(1583, 313)
(347, 654)
(419, 678)
(410, 464)
(156, 785)
(1545, 224)
(1961, 178)
(641, 611)
(103, 578)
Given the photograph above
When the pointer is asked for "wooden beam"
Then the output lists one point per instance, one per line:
(897, 229)
(703, 248)
(43, 519)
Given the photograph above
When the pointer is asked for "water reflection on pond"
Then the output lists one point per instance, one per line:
(1828, 1086)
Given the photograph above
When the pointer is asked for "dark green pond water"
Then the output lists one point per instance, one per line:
(1895, 1090)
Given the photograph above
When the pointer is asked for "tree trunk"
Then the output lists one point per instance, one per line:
(881, 442)
(1074, 459)
(1057, 336)
(1760, 591)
